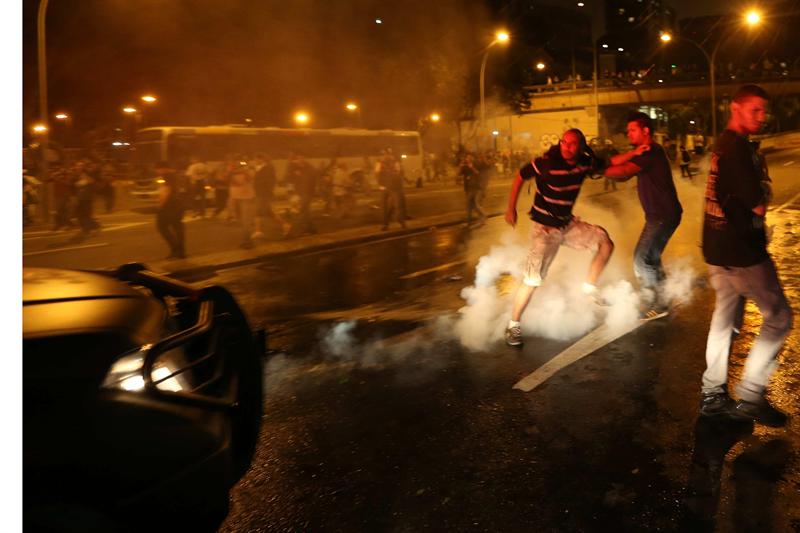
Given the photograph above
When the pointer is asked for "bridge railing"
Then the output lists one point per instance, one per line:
(652, 80)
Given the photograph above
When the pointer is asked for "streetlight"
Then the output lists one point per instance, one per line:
(41, 48)
(61, 116)
(354, 108)
(129, 110)
(301, 118)
(500, 37)
(149, 99)
(540, 66)
(39, 129)
(752, 18)
(435, 117)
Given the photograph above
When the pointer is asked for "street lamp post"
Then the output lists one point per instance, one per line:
(137, 118)
(353, 107)
(752, 18)
(43, 115)
(302, 118)
(500, 37)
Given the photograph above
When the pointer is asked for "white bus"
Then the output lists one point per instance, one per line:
(359, 149)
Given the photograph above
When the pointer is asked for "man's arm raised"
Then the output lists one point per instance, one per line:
(621, 168)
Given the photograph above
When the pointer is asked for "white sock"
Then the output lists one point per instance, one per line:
(588, 288)
(513, 324)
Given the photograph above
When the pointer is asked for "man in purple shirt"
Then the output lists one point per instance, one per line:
(648, 161)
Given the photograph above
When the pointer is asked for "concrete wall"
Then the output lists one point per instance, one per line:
(535, 131)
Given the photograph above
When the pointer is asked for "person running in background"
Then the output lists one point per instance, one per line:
(169, 216)
(390, 182)
(558, 176)
(470, 176)
(264, 180)
(686, 172)
(198, 173)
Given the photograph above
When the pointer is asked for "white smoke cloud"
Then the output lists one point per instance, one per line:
(559, 309)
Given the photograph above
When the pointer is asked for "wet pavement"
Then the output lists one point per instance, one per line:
(377, 418)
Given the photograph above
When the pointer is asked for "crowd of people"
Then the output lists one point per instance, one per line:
(75, 187)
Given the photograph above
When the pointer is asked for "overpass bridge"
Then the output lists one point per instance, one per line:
(558, 107)
(581, 94)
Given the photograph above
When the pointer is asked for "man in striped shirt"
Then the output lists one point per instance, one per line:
(558, 176)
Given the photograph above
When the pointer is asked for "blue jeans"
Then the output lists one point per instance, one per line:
(759, 283)
(647, 256)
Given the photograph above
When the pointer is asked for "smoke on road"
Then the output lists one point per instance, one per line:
(559, 309)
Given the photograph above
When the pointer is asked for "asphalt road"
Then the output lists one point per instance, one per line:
(389, 403)
(381, 413)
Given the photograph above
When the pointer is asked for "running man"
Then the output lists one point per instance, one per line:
(558, 176)
(662, 210)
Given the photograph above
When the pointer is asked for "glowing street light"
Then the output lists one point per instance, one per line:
(752, 18)
(351, 107)
(129, 110)
(540, 66)
(301, 118)
(149, 99)
(501, 36)
(435, 117)
(39, 129)
(61, 116)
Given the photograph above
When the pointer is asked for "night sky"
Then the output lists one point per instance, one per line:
(211, 61)
(215, 61)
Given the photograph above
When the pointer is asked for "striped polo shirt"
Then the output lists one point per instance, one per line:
(557, 186)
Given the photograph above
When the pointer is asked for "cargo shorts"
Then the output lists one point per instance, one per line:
(545, 241)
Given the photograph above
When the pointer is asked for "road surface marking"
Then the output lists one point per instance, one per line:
(30, 235)
(69, 249)
(589, 343)
(791, 201)
(433, 269)
(788, 163)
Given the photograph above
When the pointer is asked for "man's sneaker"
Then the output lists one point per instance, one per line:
(600, 301)
(514, 336)
(761, 412)
(654, 312)
(716, 403)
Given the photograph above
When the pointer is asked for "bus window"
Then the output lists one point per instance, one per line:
(148, 152)
(404, 145)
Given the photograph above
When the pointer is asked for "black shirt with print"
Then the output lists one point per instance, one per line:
(732, 234)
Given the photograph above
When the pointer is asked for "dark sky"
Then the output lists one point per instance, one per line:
(220, 61)
(214, 61)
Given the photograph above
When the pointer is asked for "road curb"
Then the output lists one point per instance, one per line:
(204, 270)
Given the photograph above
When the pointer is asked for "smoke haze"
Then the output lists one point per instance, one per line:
(218, 62)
